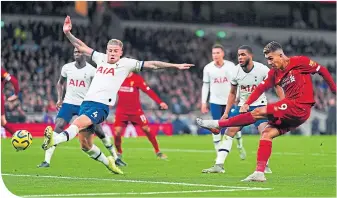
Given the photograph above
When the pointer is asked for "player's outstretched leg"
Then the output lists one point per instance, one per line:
(60, 123)
(211, 125)
(240, 147)
(85, 138)
(152, 138)
(51, 138)
(225, 148)
(107, 143)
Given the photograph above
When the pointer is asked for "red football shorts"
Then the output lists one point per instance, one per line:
(287, 115)
(2, 104)
(123, 119)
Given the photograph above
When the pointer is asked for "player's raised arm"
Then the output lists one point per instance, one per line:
(160, 64)
(82, 47)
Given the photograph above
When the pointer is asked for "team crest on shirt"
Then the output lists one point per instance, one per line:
(312, 63)
(132, 83)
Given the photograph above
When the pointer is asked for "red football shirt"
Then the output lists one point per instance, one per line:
(295, 80)
(128, 95)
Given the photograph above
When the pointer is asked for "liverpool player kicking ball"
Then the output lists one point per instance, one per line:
(293, 75)
(129, 109)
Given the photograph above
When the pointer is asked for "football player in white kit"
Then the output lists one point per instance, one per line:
(110, 73)
(247, 76)
(77, 75)
(216, 80)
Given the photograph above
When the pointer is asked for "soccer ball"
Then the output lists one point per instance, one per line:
(21, 140)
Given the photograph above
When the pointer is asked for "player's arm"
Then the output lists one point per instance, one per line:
(279, 91)
(231, 99)
(314, 67)
(80, 45)
(161, 65)
(266, 84)
(14, 81)
(60, 88)
(146, 89)
(205, 90)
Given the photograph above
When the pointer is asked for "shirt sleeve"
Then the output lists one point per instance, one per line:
(233, 76)
(97, 57)
(64, 71)
(206, 78)
(265, 71)
(134, 65)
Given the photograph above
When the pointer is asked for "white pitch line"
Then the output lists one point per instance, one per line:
(135, 181)
(211, 151)
(137, 193)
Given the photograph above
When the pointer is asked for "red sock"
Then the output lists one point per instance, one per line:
(239, 120)
(118, 143)
(152, 138)
(263, 154)
(8, 128)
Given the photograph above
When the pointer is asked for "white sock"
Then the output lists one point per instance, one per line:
(48, 154)
(224, 149)
(238, 137)
(212, 123)
(107, 143)
(68, 134)
(96, 154)
(216, 141)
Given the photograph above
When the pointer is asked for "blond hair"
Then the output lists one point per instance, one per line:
(116, 42)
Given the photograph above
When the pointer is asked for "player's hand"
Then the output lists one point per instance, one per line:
(204, 108)
(59, 104)
(224, 116)
(184, 66)
(67, 25)
(244, 108)
(163, 105)
(12, 98)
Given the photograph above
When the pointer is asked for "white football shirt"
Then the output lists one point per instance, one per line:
(109, 78)
(219, 79)
(78, 82)
(247, 82)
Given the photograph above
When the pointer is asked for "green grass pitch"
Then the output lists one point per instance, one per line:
(302, 166)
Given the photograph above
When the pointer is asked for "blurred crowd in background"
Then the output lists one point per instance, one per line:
(35, 53)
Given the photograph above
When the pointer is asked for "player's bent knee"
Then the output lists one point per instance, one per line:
(82, 122)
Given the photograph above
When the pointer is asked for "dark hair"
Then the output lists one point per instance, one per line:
(271, 47)
(246, 47)
(218, 46)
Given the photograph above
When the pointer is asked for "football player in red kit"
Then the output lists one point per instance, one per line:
(128, 109)
(293, 75)
(5, 77)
